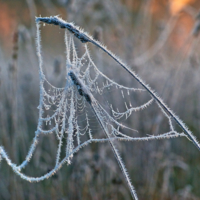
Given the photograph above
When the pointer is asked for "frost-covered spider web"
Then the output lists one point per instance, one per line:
(70, 112)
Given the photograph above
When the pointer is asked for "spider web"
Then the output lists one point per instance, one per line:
(68, 114)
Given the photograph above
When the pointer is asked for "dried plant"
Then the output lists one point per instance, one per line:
(66, 111)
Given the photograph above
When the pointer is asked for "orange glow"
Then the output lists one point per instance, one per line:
(158, 8)
(8, 24)
(177, 5)
(179, 38)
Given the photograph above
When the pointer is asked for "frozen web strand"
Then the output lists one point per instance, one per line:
(41, 76)
(111, 82)
(129, 111)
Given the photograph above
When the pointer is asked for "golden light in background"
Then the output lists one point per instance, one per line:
(8, 24)
(177, 5)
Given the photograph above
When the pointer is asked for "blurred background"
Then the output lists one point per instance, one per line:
(159, 40)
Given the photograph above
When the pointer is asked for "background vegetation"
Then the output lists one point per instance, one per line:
(159, 40)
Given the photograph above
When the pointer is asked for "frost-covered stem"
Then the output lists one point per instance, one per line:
(63, 24)
(83, 91)
(119, 160)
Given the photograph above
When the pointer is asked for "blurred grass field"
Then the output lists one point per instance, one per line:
(159, 40)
